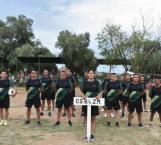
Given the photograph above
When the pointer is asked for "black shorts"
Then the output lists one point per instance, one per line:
(144, 97)
(34, 101)
(94, 110)
(46, 95)
(135, 105)
(124, 99)
(158, 109)
(5, 103)
(112, 105)
(66, 102)
(52, 95)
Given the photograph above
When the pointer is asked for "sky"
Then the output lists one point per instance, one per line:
(80, 16)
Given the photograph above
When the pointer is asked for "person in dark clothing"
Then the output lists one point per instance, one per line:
(155, 95)
(72, 79)
(63, 89)
(5, 85)
(113, 89)
(33, 88)
(47, 92)
(135, 91)
(91, 88)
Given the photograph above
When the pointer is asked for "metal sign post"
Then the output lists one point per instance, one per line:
(89, 102)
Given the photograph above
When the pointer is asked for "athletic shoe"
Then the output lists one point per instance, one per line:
(73, 115)
(64, 114)
(85, 138)
(70, 123)
(56, 124)
(151, 123)
(27, 122)
(129, 124)
(41, 114)
(5, 123)
(1, 123)
(140, 125)
(108, 124)
(117, 124)
(92, 138)
(49, 114)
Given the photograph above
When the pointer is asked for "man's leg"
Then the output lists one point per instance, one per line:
(28, 114)
(108, 117)
(117, 118)
(130, 118)
(59, 114)
(38, 114)
(140, 119)
(1, 116)
(69, 115)
(49, 107)
(151, 118)
(93, 129)
(42, 107)
(6, 116)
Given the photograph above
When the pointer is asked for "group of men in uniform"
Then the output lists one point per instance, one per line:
(38, 90)
(129, 92)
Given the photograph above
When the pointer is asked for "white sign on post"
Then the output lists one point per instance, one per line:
(89, 102)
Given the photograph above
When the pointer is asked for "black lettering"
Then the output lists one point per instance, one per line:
(94, 101)
(98, 101)
(85, 101)
(81, 101)
(77, 100)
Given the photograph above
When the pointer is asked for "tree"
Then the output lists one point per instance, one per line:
(15, 32)
(17, 39)
(113, 43)
(75, 51)
(143, 46)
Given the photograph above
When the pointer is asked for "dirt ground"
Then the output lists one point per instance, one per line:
(18, 134)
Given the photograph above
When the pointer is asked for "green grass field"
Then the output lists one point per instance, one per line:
(18, 134)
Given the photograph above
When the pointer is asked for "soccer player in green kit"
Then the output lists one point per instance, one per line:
(4, 98)
(47, 91)
(135, 91)
(72, 94)
(155, 94)
(91, 88)
(63, 87)
(33, 87)
(113, 89)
